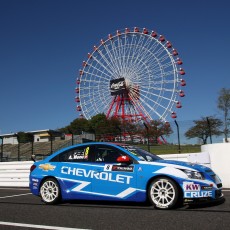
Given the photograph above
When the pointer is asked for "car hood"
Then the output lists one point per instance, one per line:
(192, 166)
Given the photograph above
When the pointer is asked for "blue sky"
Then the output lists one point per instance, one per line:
(43, 44)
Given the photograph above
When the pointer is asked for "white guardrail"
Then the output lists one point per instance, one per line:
(16, 174)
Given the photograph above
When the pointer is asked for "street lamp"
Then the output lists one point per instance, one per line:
(178, 136)
(147, 130)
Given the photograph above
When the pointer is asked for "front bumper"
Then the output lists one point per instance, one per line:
(219, 199)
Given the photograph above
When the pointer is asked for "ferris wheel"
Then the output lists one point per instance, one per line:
(134, 74)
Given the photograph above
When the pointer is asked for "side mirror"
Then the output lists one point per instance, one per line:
(124, 159)
(33, 158)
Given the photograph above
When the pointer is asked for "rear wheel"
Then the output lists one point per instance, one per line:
(50, 191)
(163, 193)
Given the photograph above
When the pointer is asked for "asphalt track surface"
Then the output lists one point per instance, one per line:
(20, 210)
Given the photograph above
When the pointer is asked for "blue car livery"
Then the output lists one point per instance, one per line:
(118, 172)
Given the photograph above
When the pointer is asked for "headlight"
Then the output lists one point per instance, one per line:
(194, 174)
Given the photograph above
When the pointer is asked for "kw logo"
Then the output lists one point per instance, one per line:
(191, 187)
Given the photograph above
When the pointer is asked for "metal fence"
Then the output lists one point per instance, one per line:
(174, 143)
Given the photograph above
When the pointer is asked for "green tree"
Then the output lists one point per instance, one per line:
(156, 129)
(224, 106)
(23, 137)
(202, 128)
(103, 127)
(130, 128)
(77, 126)
(99, 125)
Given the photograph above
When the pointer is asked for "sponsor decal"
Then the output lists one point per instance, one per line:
(207, 187)
(47, 167)
(198, 194)
(122, 168)
(190, 186)
(117, 86)
(35, 180)
(107, 176)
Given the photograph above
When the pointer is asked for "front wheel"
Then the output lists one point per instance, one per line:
(50, 191)
(163, 193)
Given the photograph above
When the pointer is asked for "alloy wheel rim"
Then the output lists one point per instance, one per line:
(49, 191)
(162, 193)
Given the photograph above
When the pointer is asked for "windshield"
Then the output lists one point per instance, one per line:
(142, 154)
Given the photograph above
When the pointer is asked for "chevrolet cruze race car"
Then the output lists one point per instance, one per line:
(113, 172)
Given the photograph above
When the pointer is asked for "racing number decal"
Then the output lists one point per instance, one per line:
(108, 167)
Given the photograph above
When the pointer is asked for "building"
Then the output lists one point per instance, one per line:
(38, 136)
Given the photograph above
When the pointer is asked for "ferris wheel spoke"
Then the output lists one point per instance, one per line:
(117, 51)
(154, 104)
(166, 74)
(138, 48)
(137, 51)
(96, 76)
(143, 53)
(138, 105)
(133, 56)
(147, 61)
(123, 54)
(132, 47)
(101, 62)
(110, 68)
(146, 105)
(145, 93)
(113, 62)
(97, 70)
(112, 58)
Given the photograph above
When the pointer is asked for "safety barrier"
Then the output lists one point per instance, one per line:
(15, 174)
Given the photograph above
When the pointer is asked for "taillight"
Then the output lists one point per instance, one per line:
(32, 168)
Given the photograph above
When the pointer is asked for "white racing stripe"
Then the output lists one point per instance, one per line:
(38, 226)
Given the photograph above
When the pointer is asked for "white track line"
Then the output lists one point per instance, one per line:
(3, 197)
(38, 226)
(15, 188)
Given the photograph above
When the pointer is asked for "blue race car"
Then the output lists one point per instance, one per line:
(118, 172)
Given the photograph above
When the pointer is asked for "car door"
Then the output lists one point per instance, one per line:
(112, 180)
(74, 172)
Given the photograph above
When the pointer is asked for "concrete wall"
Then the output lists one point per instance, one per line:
(197, 158)
(220, 160)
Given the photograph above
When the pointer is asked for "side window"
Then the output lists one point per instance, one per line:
(107, 154)
(80, 154)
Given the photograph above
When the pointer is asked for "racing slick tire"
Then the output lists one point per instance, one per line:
(163, 193)
(50, 191)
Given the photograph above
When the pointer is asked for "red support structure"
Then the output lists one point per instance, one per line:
(121, 104)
